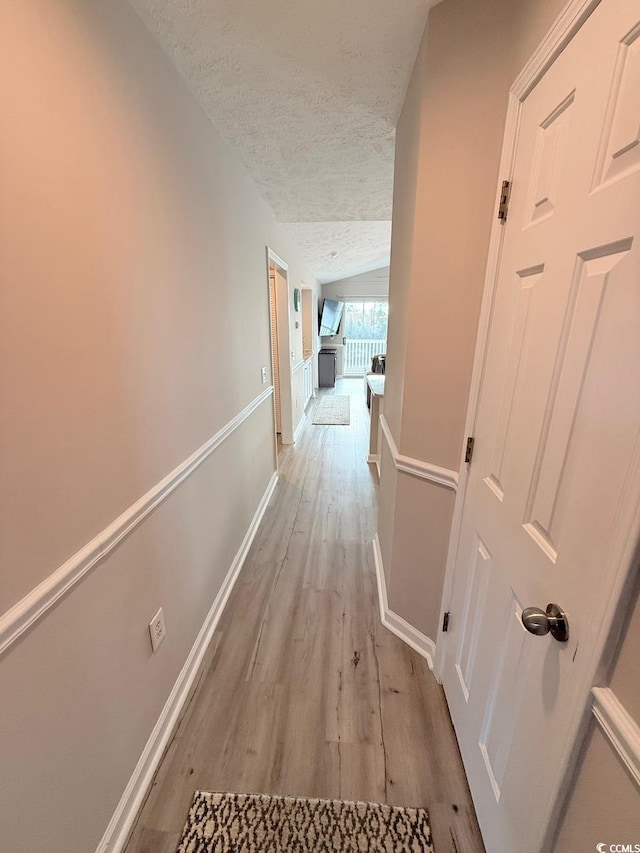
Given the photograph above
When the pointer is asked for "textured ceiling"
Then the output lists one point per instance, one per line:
(360, 246)
(308, 95)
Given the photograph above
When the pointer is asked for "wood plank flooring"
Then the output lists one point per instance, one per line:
(304, 693)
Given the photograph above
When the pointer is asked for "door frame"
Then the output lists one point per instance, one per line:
(564, 29)
(284, 346)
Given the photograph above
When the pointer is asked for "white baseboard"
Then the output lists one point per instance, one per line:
(120, 825)
(396, 624)
(303, 421)
(374, 459)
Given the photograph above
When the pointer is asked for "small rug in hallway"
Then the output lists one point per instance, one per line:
(333, 410)
(255, 823)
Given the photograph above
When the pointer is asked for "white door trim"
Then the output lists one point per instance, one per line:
(284, 346)
(271, 255)
(563, 30)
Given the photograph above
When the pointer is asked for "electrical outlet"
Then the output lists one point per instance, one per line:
(157, 630)
(263, 373)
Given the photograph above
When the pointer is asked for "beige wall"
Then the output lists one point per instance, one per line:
(423, 514)
(448, 145)
(133, 327)
(465, 83)
(603, 803)
(625, 682)
(406, 170)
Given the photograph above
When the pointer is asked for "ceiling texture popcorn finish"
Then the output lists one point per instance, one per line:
(308, 95)
(360, 246)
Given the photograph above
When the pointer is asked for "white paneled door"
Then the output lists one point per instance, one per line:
(551, 507)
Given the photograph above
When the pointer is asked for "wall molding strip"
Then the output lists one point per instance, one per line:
(619, 727)
(396, 624)
(117, 833)
(37, 602)
(416, 467)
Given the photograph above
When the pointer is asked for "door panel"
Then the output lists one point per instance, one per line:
(505, 696)
(473, 617)
(620, 148)
(554, 487)
(573, 364)
(526, 285)
(549, 161)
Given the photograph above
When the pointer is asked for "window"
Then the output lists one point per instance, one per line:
(365, 330)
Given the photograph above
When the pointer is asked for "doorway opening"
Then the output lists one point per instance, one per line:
(278, 278)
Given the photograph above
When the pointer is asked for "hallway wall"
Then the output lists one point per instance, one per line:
(448, 144)
(133, 328)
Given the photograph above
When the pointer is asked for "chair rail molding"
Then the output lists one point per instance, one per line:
(619, 727)
(416, 467)
(418, 641)
(37, 602)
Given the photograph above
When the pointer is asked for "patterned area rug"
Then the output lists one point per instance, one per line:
(333, 410)
(253, 823)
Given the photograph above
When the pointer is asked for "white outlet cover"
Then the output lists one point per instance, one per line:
(157, 630)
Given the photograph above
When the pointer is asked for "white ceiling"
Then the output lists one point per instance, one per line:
(308, 94)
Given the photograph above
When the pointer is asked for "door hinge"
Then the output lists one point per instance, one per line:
(445, 621)
(469, 451)
(503, 207)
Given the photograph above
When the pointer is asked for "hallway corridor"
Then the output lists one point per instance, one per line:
(303, 691)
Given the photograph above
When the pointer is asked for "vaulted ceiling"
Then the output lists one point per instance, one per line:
(308, 94)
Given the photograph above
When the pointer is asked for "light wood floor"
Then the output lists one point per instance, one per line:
(304, 692)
